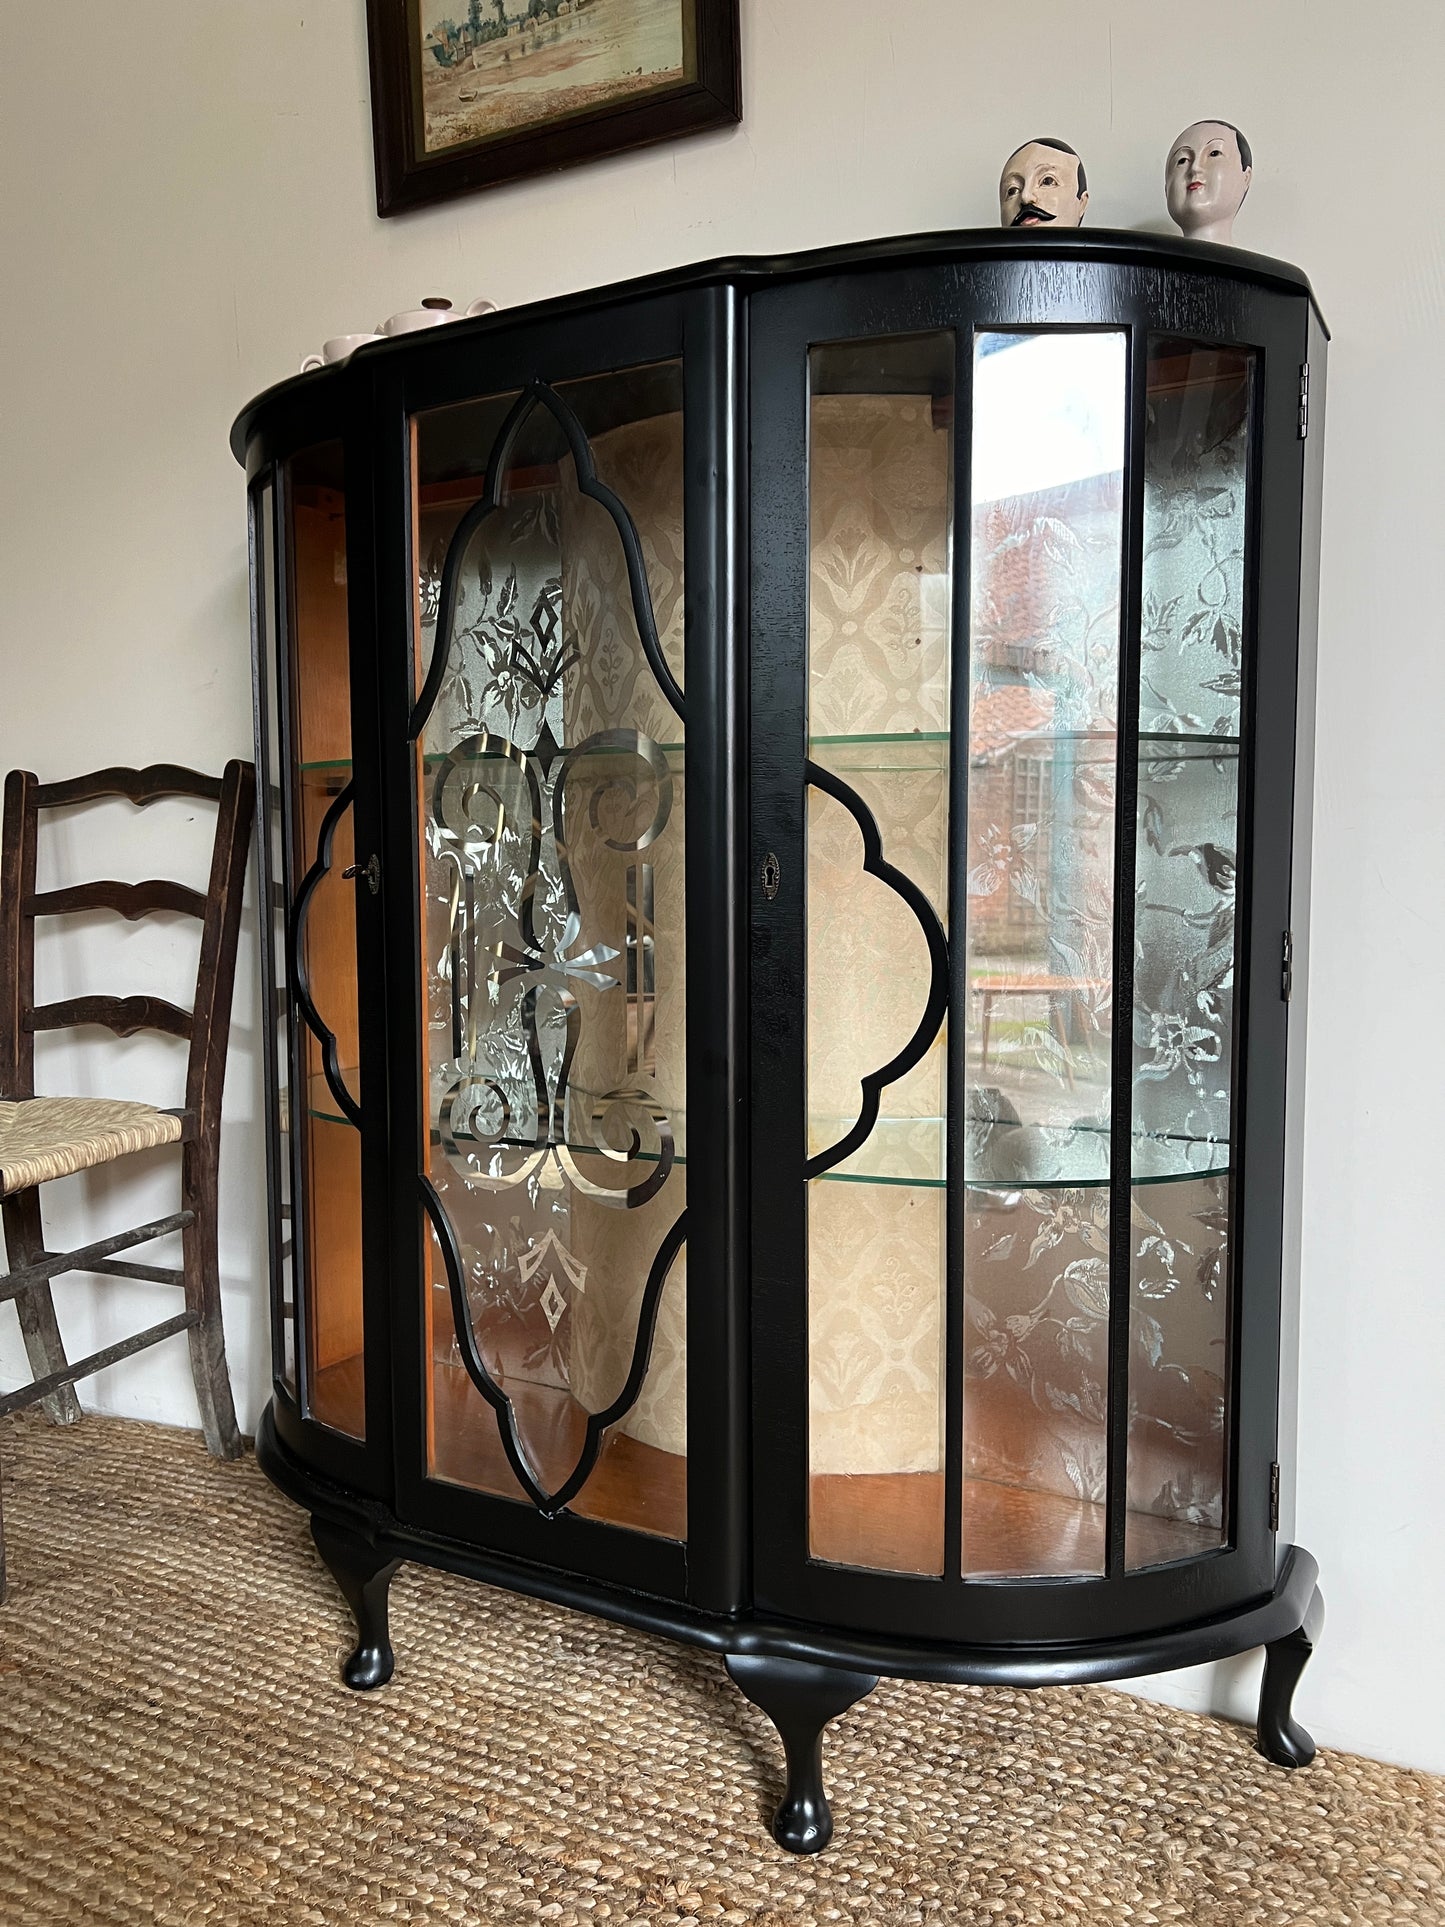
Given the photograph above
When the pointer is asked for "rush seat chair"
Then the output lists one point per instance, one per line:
(42, 1138)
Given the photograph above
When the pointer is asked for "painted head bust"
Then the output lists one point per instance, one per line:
(1042, 185)
(1206, 179)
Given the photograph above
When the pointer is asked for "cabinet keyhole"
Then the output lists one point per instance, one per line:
(772, 875)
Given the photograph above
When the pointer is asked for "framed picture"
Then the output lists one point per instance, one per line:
(467, 93)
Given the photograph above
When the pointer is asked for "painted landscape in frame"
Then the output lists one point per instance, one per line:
(471, 93)
(490, 68)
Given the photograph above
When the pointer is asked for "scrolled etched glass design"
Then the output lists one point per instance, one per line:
(552, 802)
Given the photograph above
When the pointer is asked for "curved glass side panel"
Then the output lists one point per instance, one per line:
(1192, 672)
(880, 465)
(552, 804)
(1046, 583)
(275, 998)
(321, 1102)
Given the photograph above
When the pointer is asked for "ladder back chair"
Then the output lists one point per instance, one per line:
(49, 1137)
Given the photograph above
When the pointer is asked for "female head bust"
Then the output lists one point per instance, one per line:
(1206, 179)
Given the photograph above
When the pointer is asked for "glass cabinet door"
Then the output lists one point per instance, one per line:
(550, 765)
(1002, 1287)
(309, 943)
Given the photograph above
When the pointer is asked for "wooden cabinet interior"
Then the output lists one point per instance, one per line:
(330, 1143)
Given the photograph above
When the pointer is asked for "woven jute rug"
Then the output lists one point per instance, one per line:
(175, 1747)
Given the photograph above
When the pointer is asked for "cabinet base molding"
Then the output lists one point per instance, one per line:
(802, 1676)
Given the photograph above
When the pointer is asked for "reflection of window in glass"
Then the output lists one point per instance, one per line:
(1045, 564)
(1032, 829)
(1047, 412)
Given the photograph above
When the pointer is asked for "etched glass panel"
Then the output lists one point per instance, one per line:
(1192, 670)
(324, 1085)
(880, 465)
(1046, 560)
(552, 800)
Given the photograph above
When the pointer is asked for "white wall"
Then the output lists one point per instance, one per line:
(188, 209)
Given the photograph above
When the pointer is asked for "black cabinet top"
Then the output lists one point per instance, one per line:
(1119, 247)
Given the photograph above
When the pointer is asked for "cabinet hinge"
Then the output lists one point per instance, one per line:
(1304, 400)
(1286, 966)
(1274, 1496)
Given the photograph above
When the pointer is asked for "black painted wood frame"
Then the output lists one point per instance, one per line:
(877, 303)
(744, 1582)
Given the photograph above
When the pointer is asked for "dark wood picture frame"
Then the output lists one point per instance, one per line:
(406, 179)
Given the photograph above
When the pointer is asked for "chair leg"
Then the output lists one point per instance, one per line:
(25, 1245)
(203, 1296)
(2, 1546)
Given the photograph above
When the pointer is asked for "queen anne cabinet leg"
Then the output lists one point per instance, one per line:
(800, 1699)
(1278, 1736)
(364, 1576)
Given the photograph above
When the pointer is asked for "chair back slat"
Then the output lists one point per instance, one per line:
(140, 785)
(124, 1015)
(207, 1026)
(17, 936)
(129, 900)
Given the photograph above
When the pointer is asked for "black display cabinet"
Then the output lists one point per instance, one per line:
(785, 835)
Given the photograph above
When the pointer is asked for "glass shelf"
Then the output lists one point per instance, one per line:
(929, 742)
(320, 1103)
(918, 750)
(911, 1151)
(344, 763)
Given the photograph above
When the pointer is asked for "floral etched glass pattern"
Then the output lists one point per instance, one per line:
(1047, 513)
(549, 600)
(880, 463)
(324, 1088)
(1192, 670)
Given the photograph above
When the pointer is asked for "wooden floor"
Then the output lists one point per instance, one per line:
(890, 1522)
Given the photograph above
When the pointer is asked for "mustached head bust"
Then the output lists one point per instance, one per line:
(1042, 185)
(1206, 179)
